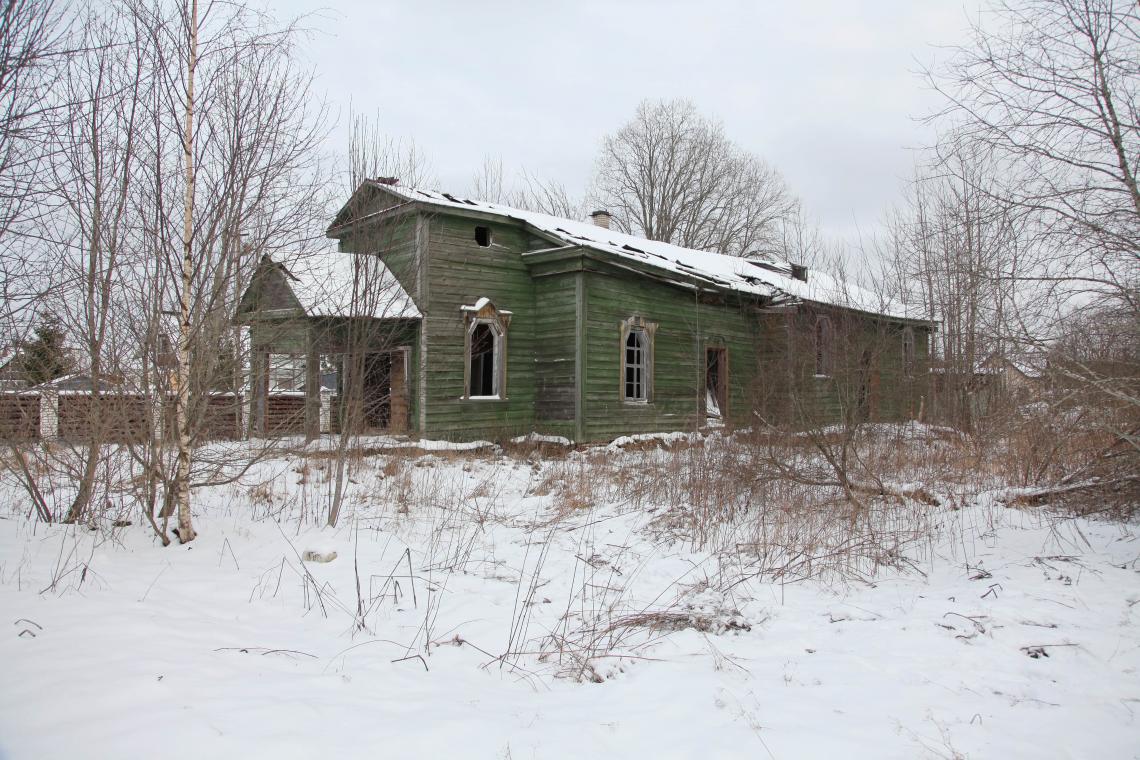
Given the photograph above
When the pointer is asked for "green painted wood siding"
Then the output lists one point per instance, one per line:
(268, 291)
(395, 242)
(461, 272)
(555, 352)
(685, 327)
(866, 380)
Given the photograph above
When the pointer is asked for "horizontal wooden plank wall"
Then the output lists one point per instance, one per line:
(461, 272)
(114, 419)
(685, 326)
(555, 348)
(222, 418)
(867, 379)
(394, 241)
(19, 417)
(770, 356)
(119, 417)
(268, 290)
(284, 415)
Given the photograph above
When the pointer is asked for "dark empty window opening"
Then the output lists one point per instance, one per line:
(635, 366)
(483, 236)
(482, 362)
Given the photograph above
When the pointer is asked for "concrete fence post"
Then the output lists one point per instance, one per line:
(49, 415)
(326, 410)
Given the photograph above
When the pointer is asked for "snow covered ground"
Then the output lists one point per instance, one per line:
(476, 610)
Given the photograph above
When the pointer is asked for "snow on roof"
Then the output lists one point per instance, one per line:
(335, 284)
(78, 383)
(1030, 367)
(768, 277)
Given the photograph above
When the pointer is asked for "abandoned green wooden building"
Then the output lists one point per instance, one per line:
(444, 317)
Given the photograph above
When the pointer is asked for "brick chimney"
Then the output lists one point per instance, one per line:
(601, 218)
(387, 180)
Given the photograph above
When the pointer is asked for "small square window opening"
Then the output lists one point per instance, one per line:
(483, 236)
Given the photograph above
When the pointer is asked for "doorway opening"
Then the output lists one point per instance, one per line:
(716, 383)
(377, 391)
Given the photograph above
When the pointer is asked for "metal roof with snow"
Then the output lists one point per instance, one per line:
(767, 277)
(334, 284)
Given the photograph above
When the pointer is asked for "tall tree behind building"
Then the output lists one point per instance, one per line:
(45, 357)
(671, 174)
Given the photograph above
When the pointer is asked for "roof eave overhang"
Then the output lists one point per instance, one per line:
(573, 257)
(338, 231)
(790, 302)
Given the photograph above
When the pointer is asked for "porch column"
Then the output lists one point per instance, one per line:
(313, 400)
(258, 386)
(398, 392)
(326, 410)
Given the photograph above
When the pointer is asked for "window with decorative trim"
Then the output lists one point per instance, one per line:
(908, 351)
(286, 372)
(824, 347)
(637, 360)
(636, 345)
(485, 350)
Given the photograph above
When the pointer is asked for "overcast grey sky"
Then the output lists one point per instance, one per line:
(826, 91)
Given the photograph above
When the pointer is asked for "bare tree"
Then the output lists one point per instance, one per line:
(95, 161)
(801, 241)
(158, 165)
(487, 181)
(182, 404)
(372, 154)
(363, 338)
(950, 251)
(671, 174)
(33, 45)
(1049, 92)
(547, 197)
(1052, 90)
(528, 192)
(248, 133)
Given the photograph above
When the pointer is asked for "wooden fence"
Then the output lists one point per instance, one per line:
(19, 417)
(112, 417)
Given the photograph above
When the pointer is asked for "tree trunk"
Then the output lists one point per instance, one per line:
(182, 471)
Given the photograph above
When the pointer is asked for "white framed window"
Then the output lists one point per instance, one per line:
(637, 360)
(483, 360)
(636, 345)
(908, 352)
(485, 351)
(824, 347)
(286, 373)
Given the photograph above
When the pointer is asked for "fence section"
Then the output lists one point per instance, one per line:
(115, 417)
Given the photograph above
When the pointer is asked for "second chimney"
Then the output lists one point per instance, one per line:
(600, 218)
